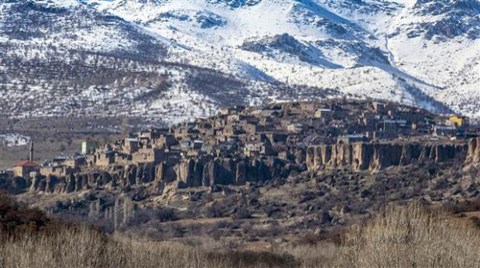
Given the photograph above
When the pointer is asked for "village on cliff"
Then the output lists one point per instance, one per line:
(307, 135)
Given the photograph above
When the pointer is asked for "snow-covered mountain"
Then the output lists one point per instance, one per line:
(178, 58)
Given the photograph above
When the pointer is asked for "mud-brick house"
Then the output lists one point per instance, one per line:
(379, 107)
(148, 155)
(255, 148)
(308, 107)
(203, 126)
(24, 168)
(74, 162)
(295, 128)
(152, 134)
(395, 125)
(251, 128)
(130, 145)
(277, 137)
(252, 149)
(226, 148)
(448, 131)
(166, 141)
(193, 144)
(229, 131)
(56, 170)
(122, 158)
(324, 113)
(352, 138)
(104, 159)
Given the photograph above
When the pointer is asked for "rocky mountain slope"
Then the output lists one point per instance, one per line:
(174, 59)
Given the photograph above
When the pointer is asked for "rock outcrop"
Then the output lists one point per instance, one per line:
(377, 156)
(194, 172)
(473, 154)
(208, 171)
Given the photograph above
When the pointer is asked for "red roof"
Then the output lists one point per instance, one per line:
(26, 164)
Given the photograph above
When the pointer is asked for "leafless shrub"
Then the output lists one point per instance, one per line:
(409, 236)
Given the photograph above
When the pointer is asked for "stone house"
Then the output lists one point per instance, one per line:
(295, 127)
(254, 148)
(24, 168)
(148, 155)
(395, 125)
(232, 130)
(449, 131)
(55, 170)
(166, 141)
(122, 158)
(308, 107)
(379, 107)
(251, 128)
(277, 137)
(74, 162)
(324, 113)
(130, 145)
(352, 138)
(104, 159)
(284, 155)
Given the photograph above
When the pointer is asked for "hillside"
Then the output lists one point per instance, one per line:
(175, 59)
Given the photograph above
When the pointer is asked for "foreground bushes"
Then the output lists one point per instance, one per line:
(398, 237)
(414, 237)
(401, 237)
(86, 248)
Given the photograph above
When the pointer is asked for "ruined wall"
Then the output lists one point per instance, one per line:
(377, 156)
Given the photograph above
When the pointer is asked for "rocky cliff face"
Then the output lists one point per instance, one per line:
(473, 154)
(373, 157)
(202, 171)
(207, 171)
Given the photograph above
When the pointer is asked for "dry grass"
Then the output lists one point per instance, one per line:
(414, 237)
(83, 247)
(400, 237)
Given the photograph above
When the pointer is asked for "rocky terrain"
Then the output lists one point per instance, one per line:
(244, 194)
(305, 203)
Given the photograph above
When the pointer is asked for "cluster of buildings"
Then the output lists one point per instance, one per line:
(280, 130)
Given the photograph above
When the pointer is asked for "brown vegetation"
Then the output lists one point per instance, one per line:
(409, 236)
(413, 237)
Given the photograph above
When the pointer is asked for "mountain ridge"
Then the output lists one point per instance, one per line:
(359, 49)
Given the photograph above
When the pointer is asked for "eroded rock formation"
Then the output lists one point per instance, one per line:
(209, 171)
(373, 157)
(195, 172)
